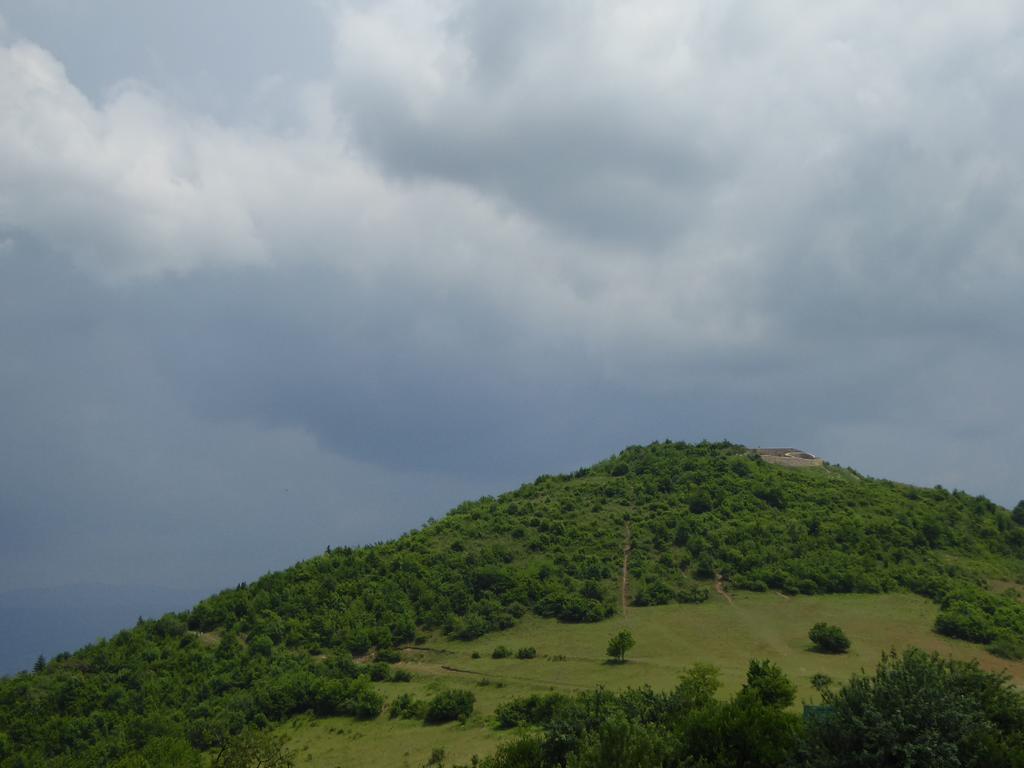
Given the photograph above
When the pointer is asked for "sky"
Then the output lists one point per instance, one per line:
(282, 275)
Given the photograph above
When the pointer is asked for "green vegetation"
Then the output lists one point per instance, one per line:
(287, 645)
(916, 710)
(1008, 646)
(768, 685)
(619, 643)
(828, 638)
(252, 749)
(669, 639)
(919, 709)
(449, 705)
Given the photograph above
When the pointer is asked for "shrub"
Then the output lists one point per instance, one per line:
(389, 656)
(656, 592)
(446, 706)
(501, 652)
(536, 709)
(768, 684)
(261, 645)
(1008, 646)
(693, 593)
(965, 621)
(363, 701)
(524, 752)
(252, 747)
(378, 671)
(407, 707)
(829, 638)
(526, 653)
(401, 676)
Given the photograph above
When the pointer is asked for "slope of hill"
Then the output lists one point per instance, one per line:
(49, 620)
(694, 517)
(571, 659)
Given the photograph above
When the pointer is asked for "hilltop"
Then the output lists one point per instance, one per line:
(684, 524)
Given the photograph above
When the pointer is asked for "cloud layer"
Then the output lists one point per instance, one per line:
(482, 242)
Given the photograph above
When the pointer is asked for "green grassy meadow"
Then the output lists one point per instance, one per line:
(668, 638)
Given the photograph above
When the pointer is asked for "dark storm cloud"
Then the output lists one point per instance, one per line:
(494, 241)
(108, 476)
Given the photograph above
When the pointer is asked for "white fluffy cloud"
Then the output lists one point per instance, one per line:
(654, 170)
(132, 189)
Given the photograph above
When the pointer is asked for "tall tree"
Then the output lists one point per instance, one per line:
(620, 643)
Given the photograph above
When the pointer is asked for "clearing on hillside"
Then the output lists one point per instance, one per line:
(668, 638)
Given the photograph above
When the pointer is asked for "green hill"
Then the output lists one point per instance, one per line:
(694, 523)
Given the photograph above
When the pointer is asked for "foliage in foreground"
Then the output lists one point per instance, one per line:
(916, 710)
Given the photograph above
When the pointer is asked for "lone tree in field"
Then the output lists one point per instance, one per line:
(828, 638)
(619, 644)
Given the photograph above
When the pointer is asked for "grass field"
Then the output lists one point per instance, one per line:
(668, 638)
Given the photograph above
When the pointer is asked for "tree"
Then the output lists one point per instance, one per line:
(261, 645)
(450, 705)
(768, 684)
(1018, 513)
(822, 683)
(919, 709)
(254, 749)
(829, 638)
(620, 741)
(501, 652)
(170, 752)
(619, 644)
(40, 664)
(741, 733)
(700, 501)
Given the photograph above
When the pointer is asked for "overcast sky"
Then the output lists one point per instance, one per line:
(278, 275)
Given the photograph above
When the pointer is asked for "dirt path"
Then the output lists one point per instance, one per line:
(461, 671)
(627, 547)
(720, 588)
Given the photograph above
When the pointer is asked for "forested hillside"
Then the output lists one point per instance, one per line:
(302, 639)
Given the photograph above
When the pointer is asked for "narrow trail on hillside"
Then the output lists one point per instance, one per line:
(627, 547)
(720, 588)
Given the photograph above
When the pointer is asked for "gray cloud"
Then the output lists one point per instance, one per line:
(472, 243)
(242, 62)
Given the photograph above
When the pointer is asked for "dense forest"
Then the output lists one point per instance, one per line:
(316, 636)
